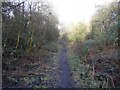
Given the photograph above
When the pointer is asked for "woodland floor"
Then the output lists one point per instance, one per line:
(52, 73)
(56, 74)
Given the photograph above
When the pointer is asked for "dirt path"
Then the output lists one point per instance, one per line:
(65, 74)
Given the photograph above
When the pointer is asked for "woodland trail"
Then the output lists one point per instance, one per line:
(65, 75)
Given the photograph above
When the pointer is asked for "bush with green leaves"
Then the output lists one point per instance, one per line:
(83, 74)
(99, 46)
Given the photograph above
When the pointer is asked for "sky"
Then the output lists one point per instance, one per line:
(72, 11)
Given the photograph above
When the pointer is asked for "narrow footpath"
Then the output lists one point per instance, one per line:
(65, 74)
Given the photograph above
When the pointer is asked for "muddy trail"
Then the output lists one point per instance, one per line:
(66, 80)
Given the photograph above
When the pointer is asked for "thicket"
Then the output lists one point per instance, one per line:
(96, 52)
(29, 35)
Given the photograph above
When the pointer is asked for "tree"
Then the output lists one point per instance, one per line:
(26, 28)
